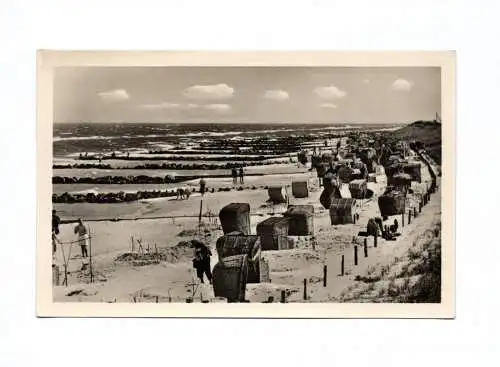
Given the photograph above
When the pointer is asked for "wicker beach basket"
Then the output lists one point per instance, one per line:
(301, 220)
(230, 278)
(273, 233)
(235, 217)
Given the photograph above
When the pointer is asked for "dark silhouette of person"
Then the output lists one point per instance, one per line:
(241, 175)
(234, 173)
(55, 222)
(201, 261)
(203, 186)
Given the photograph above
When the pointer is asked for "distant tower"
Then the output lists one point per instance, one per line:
(438, 118)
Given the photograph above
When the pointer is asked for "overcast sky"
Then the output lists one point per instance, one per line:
(246, 94)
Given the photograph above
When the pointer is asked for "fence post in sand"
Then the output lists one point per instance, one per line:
(305, 289)
(365, 246)
(65, 282)
(342, 266)
(414, 212)
(403, 219)
(201, 208)
(420, 207)
(90, 258)
(355, 255)
(375, 239)
(283, 297)
(325, 272)
(409, 217)
(156, 299)
(354, 219)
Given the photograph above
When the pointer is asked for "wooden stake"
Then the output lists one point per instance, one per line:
(325, 272)
(420, 207)
(375, 239)
(305, 289)
(365, 247)
(414, 212)
(283, 297)
(201, 208)
(342, 266)
(355, 255)
(156, 299)
(90, 258)
(402, 219)
(65, 275)
(354, 219)
(409, 217)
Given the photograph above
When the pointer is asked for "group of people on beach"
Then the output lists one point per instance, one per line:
(80, 230)
(235, 173)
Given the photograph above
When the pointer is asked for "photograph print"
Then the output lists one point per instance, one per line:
(241, 184)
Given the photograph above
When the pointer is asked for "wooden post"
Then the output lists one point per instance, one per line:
(420, 207)
(409, 217)
(156, 299)
(403, 219)
(342, 266)
(65, 275)
(90, 258)
(365, 246)
(283, 297)
(305, 289)
(201, 208)
(414, 212)
(325, 272)
(355, 255)
(375, 239)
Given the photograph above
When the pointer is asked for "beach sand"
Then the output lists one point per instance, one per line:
(172, 280)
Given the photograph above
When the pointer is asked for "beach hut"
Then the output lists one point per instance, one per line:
(300, 189)
(344, 174)
(401, 180)
(358, 188)
(342, 211)
(392, 203)
(330, 180)
(372, 177)
(277, 195)
(273, 233)
(379, 170)
(237, 244)
(301, 220)
(235, 217)
(414, 169)
(327, 196)
(230, 278)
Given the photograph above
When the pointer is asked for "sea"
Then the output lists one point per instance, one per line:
(74, 138)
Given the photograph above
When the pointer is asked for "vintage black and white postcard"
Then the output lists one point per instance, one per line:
(246, 184)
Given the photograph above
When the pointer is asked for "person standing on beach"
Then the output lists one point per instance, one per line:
(55, 241)
(201, 261)
(234, 173)
(203, 186)
(241, 175)
(81, 231)
(55, 222)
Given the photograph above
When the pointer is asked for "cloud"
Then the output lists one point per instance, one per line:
(402, 85)
(161, 106)
(210, 92)
(328, 105)
(330, 92)
(114, 95)
(277, 95)
(219, 108)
